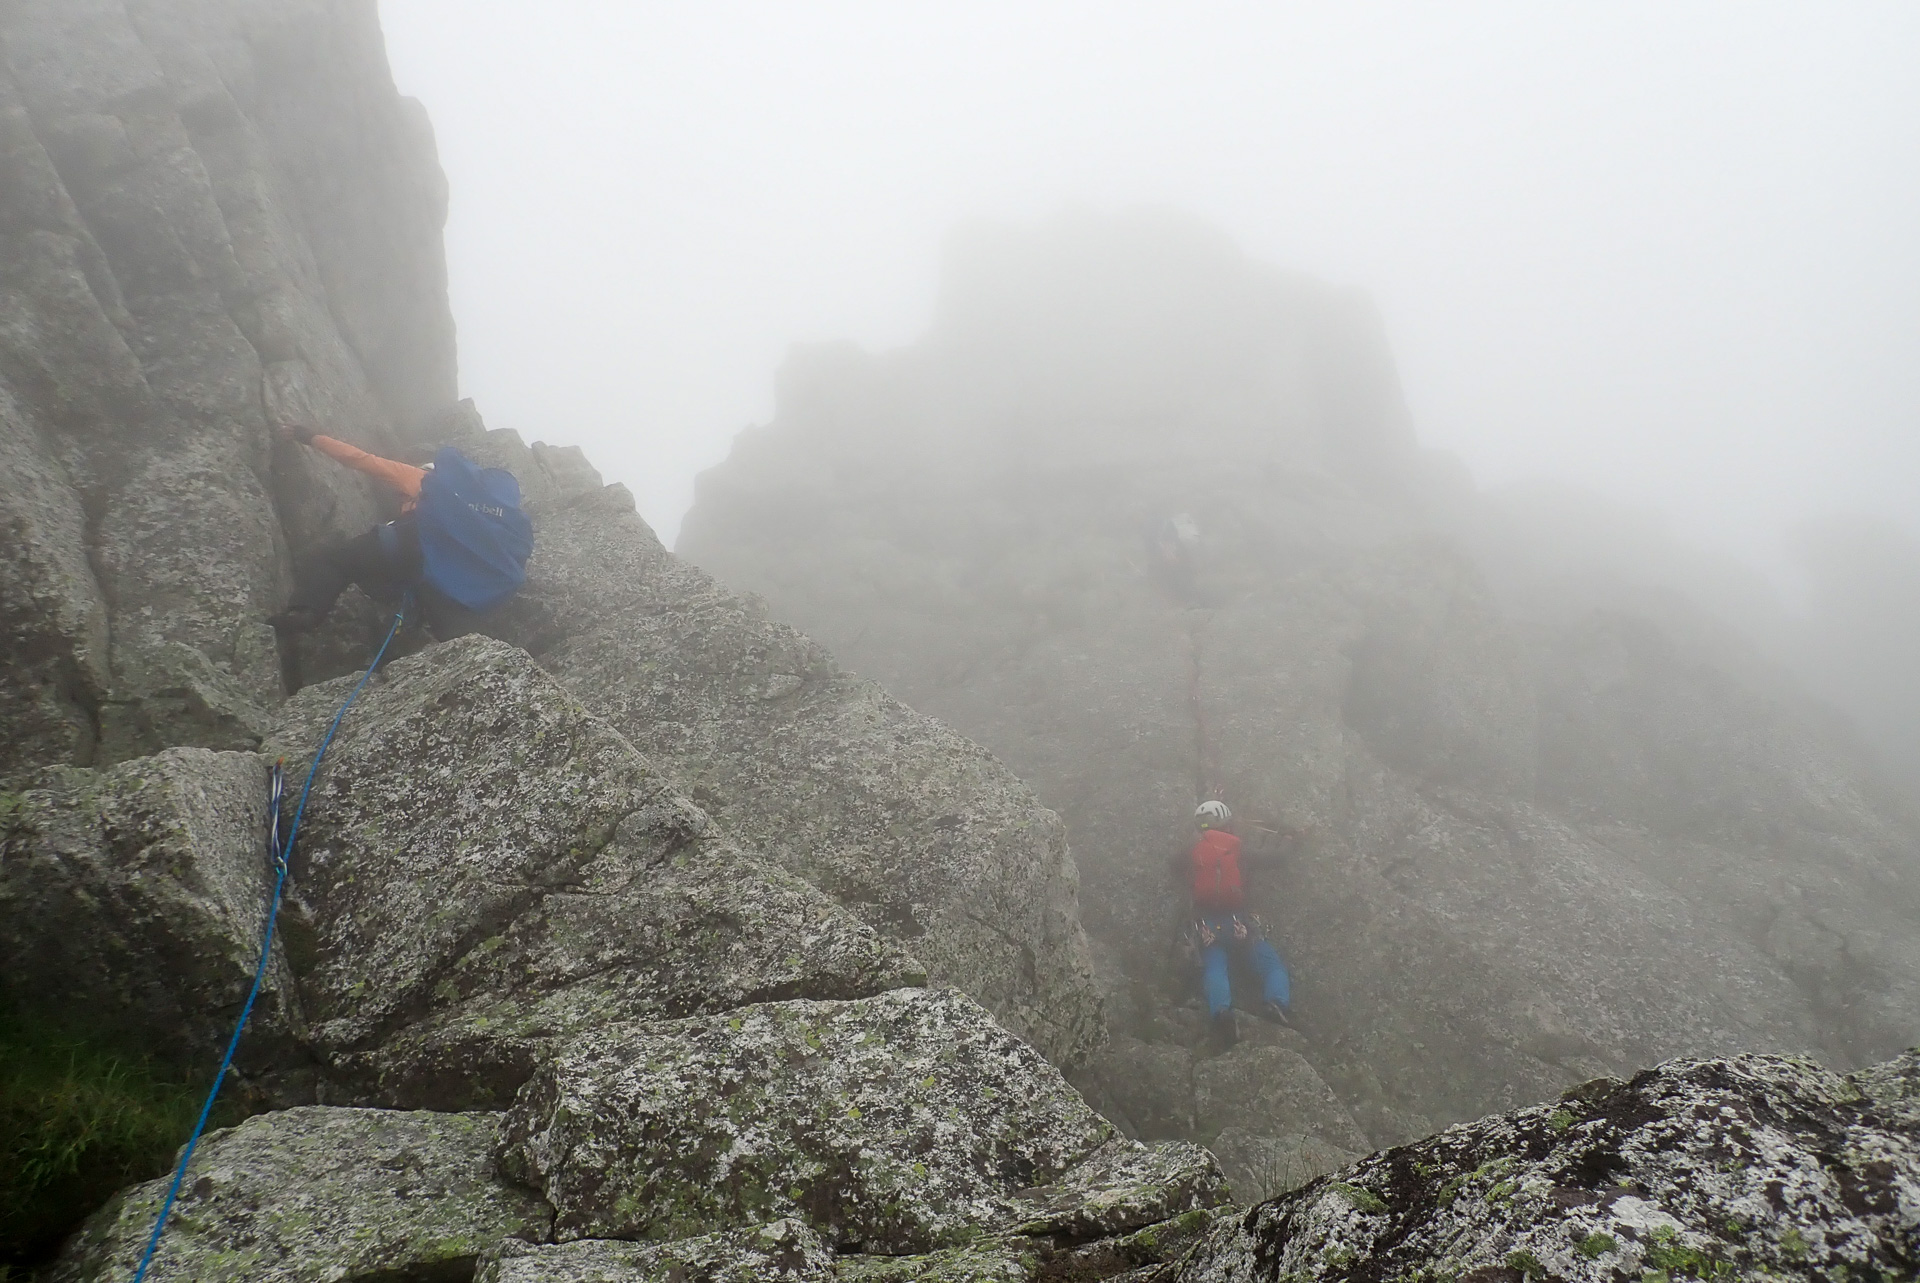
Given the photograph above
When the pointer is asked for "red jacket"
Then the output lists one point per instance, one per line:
(1213, 867)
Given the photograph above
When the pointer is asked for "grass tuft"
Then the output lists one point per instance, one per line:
(78, 1121)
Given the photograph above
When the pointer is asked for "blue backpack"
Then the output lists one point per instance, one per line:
(474, 540)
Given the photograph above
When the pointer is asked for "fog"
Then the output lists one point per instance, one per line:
(1664, 253)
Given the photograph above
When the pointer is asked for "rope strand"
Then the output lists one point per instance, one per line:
(279, 853)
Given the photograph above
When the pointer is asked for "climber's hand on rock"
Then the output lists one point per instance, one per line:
(297, 432)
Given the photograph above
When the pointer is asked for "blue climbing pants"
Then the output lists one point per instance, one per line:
(1217, 935)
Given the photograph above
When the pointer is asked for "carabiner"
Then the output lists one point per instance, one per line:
(276, 791)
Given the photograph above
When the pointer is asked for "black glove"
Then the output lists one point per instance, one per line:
(297, 432)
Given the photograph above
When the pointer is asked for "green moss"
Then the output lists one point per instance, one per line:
(1360, 1199)
(1675, 1259)
(1596, 1245)
(1527, 1263)
(1560, 1120)
(78, 1120)
(1338, 1256)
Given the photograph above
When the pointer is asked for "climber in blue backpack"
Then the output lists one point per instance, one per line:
(460, 543)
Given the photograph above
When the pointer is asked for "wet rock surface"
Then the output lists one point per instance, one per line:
(1751, 1167)
(320, 1194)
(928, 838)
(135, 897)
(782, 1249)
(891, 1124)
(487, 868)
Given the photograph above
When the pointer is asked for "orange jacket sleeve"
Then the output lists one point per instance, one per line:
(402, 477)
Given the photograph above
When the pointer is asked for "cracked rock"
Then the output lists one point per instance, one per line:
(893, 1124)
(1748, 1167)
(315, 1195)
(485, 868)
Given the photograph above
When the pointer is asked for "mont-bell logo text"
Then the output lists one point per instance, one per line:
(487, 509)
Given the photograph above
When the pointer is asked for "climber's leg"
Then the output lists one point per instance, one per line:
(1213, 978)
(1273, 973)
(323, 574)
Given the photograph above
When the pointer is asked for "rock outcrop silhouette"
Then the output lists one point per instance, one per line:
(1148, 520)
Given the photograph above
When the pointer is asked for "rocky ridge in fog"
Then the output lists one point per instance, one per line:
(637, 940)
(1523, 839)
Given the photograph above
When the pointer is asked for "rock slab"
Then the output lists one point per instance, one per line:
(487, 868)
(896, 1123)
(1748, 1167)
(314, 1195)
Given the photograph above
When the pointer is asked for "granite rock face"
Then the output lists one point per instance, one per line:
(767, 973)
(320, 1194)
(53, 619)
(1752, 1167)
(927, 837)
(136, 896)
(487, 868)
(891, 1124)
(209, 213)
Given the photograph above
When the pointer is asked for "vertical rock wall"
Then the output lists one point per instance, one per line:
(209, 212)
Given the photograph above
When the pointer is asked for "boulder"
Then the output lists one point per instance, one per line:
(317, 1194)
(893, 1124)
(1034, 1260)
(134, 899)
(1754, 1166)
(782, 1249)
(927, 837)
(485, 867)
(1122, 1186)
(1145, 1088)
(992, 1261)
(1271, 1090)
(1262, 1164)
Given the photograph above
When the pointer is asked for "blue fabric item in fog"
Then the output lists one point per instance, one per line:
(474, 540)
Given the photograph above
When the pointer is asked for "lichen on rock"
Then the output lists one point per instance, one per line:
(134, 898)
(1749, 1167)
(894, 1124)
(927, 837)
(536, 877)
(781, 1249)
(314, 1195)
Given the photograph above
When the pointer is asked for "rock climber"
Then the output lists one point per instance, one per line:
(1221, 923)
(460, 542)
(1175, 551)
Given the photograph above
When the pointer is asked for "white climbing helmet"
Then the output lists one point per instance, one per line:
(1212, 812)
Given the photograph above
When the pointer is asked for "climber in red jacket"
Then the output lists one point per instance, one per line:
(1213, 870)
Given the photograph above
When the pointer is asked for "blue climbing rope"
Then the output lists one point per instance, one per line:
(279, 852)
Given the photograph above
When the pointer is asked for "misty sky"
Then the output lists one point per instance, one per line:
(1669, 250)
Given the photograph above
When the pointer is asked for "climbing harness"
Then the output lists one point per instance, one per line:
(277, 852)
